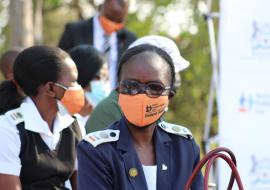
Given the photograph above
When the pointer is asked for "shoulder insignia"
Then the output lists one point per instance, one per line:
(175, 129)
(98, 137)
(14, 116)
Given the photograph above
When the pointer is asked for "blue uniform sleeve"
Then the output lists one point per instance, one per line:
(198, 182)
(93, 173)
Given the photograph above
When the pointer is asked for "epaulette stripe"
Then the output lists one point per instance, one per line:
(14, 116)
(98, 137)
(175, 129)
(91, 138)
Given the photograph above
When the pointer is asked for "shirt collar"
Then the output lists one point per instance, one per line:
(34, 122)
(161, 137)
(97, 24)
(98, 27)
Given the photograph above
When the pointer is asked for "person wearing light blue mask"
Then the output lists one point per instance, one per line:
(92, 76)
(99, 91)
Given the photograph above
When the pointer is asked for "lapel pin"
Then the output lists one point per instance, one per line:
(164, 167)
(133, 172)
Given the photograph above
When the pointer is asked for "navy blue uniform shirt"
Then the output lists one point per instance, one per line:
(115, 165)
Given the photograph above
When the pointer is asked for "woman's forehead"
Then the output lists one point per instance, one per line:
(145, 67)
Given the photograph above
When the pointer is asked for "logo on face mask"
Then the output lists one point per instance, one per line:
(141, 110)
(155, 109)
(148, 108)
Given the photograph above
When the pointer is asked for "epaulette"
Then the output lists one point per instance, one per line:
(175, 129)
(98, 137)
(14, 116)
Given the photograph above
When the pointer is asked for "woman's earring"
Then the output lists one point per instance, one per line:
(166, 109)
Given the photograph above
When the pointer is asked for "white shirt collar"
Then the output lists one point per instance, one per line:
(34, 122)
(98, 44)
(97, 25)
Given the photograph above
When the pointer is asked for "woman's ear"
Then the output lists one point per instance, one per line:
(49, 86)
(172, 94)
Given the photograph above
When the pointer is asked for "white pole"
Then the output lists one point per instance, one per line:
(213, 91)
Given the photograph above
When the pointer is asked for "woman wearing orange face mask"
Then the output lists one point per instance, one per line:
(37, 142)
(142, 151)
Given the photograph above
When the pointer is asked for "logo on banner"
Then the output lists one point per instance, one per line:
(260, 173)
(260, 37)
(258, 103)
(245, 103)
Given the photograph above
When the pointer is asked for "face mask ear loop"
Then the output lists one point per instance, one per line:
(160, 119)
(55, 97)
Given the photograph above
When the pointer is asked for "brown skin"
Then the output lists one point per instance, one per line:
(115, 10)
(8, 74)
(7, 61)
(45, 101)
(87, 108)
(10, 182)
(47, 106)
(145, 67)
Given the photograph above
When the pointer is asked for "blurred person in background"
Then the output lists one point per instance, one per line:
(7, 62)
(141, 150)
(37, 141)
(108, 111)
(6, 65)
(92, 74)
(105, 31)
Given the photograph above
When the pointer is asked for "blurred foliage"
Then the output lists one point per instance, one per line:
(189, 106)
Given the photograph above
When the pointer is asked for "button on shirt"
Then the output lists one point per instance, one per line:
(99, 40)
(10, 144)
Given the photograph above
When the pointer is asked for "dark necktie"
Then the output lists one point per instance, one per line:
(106, 48)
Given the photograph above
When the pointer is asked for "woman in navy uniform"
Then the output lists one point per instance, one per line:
(142, 151)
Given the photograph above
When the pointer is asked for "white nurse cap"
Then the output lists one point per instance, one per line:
(166, 45)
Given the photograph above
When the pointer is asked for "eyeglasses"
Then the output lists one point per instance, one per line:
(152, 89)
(68, 88)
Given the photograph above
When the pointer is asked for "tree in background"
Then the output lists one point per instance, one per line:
(21, 23)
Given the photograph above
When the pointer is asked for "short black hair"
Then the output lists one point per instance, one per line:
(88, 61)
(129, 53)
(33, 67)
(36, 66)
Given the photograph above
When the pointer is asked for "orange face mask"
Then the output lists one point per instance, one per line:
(73, 99)
(141, 110)
(110, 26)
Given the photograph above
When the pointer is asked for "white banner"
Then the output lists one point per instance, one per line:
(244, 94)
